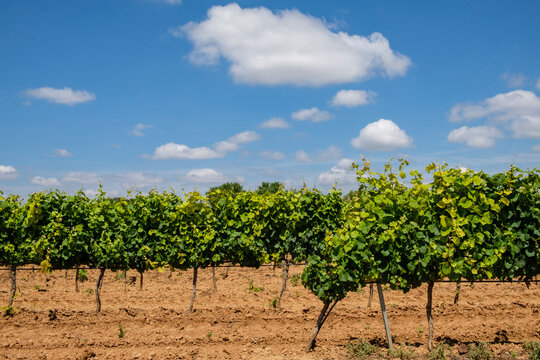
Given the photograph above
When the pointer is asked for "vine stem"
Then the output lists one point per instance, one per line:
(98, 289)
(214, 282)
(285, 277)
(318, 325)
(13, 277)
(458, 290)
(77, 279)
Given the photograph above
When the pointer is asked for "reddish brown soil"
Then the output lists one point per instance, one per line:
(52, 321)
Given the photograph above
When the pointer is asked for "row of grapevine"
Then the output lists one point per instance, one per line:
(143, 232)
(395, 229)
(461, 225)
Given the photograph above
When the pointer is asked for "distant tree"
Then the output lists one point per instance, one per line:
(232, 187)
(228, 187)
(270, 188)
(350, 196)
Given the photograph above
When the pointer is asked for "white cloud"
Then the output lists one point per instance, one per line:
(341, 173)
(62, 153)
(226, 146)
(313, 114)
(331, 153)
(244, 137)
(475, 137)
(81, 178)
(64, 96)
(7, 172)
(382, 135)
(513, 80)
(275, 123)
(90, 193)
(233, 143)
(180, 151)
(169, 2)
(46, 182)
(273, 155)
(353, 98)
(519, 110)
(204, 176)
(536, 148)
(139, 128)
(302, 156)
(138, 180)
(288, 47)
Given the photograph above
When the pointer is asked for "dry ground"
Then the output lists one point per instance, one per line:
(52, 321)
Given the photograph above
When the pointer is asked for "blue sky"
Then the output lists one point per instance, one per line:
(191, 94)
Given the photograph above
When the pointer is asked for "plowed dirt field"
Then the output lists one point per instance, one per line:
(52, 321)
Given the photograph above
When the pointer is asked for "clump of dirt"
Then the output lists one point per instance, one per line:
(238, 323)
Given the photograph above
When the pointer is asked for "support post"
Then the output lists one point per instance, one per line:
(385, 318)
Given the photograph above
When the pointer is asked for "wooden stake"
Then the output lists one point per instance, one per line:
(429, 316)
(385, 318)
(370, 295)
(190, 309)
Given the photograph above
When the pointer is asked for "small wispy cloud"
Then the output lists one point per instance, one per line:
(475, 137)
(273, 155)
(513, 80)
(181, 151)
(168, 2)
(313, 114)
(204, 176)
(139, 128)
(45, 182)
(275, 123)
(65, 96)
(353, 98)
(302, 156)
(62, 153)
(233, 143)
(7, 172)
(81, 178)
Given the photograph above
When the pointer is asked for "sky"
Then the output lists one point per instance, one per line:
(186, 95)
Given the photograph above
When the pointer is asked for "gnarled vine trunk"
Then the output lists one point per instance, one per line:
(77, 279)
(458, 291)
(318, 325)
(214, 282)
(285, 277)
(140, 280)
(13, 277)
(98, 288)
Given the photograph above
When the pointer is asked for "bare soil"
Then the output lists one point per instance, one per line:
(52, 321)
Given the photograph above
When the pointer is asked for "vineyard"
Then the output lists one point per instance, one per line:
(397, 229)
